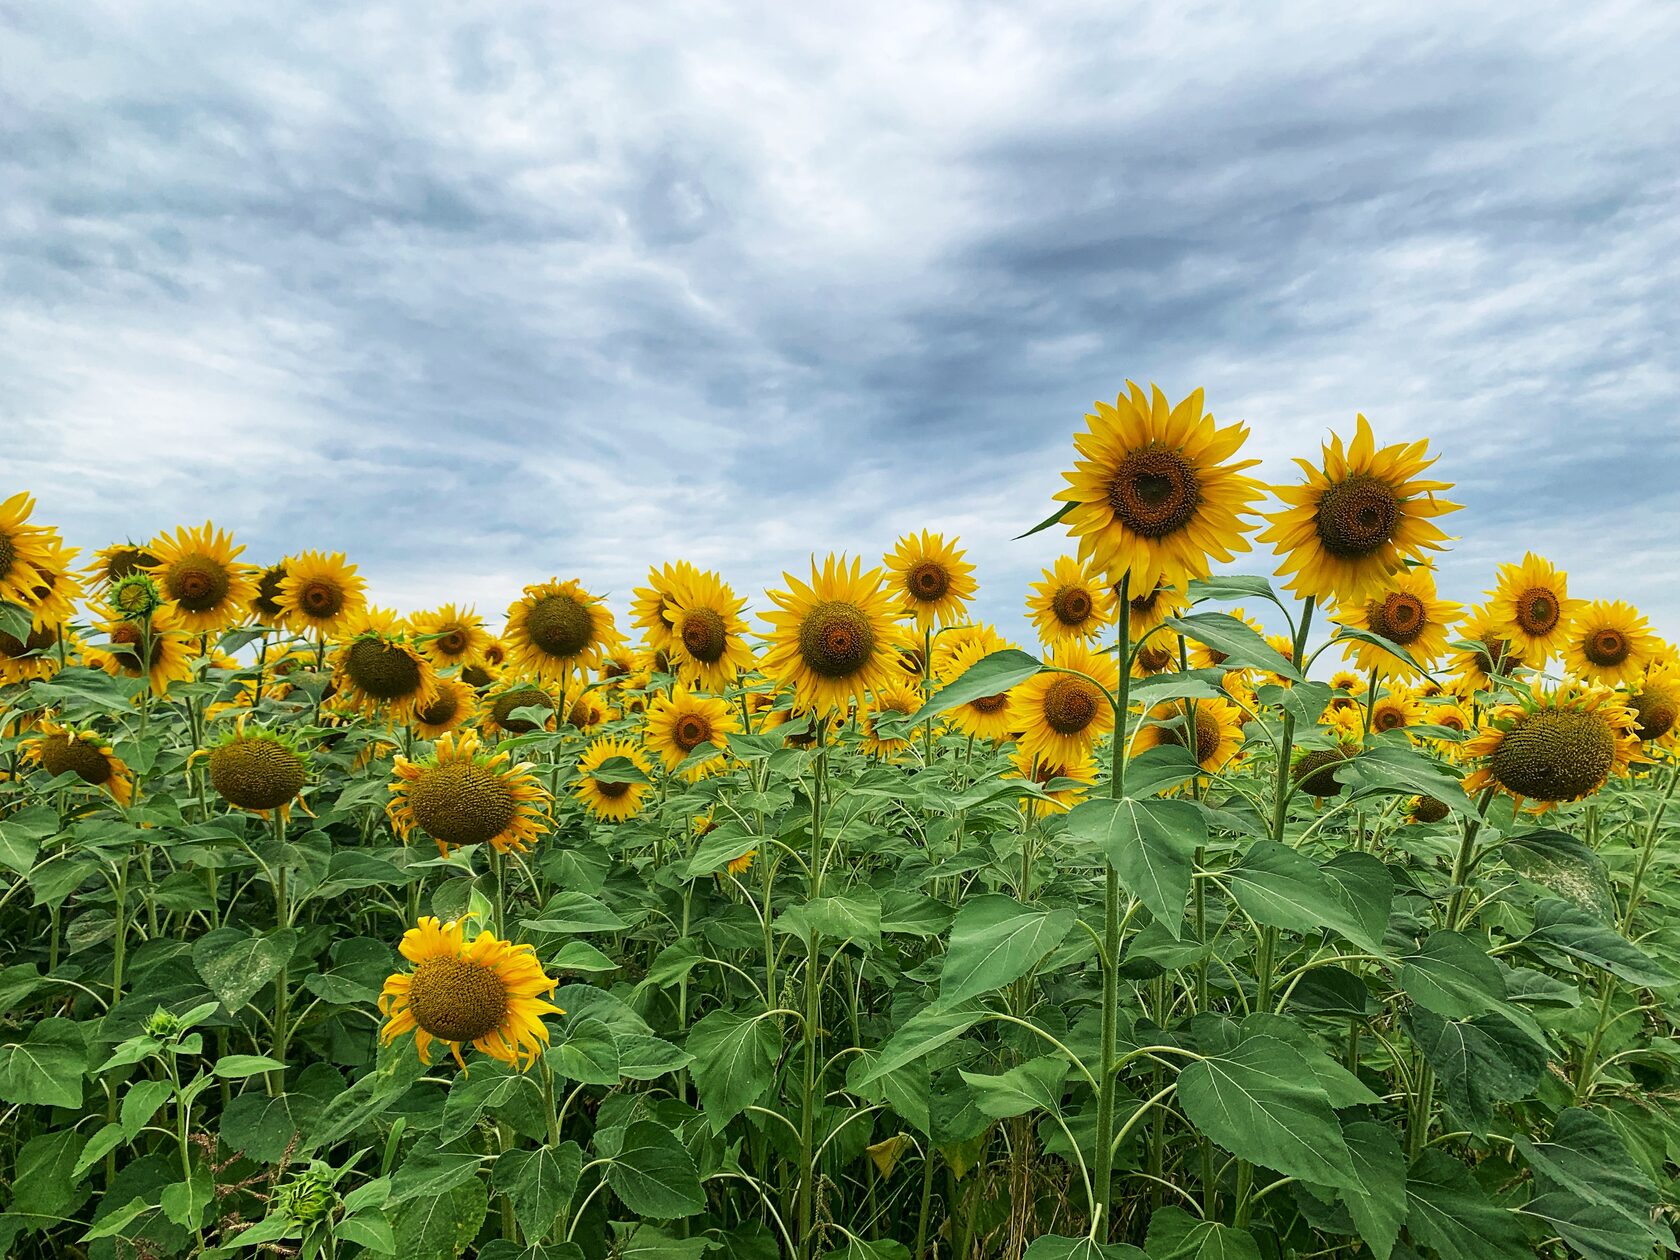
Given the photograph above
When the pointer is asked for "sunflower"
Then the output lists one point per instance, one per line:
(1204, 657)
(491, 993)
(134, 597)
(1071, 604)
(1554, 746)
(1406, 611)
(617, 666)
(258, 770)
(488, 668)
(23, 660)
(1346, 720)
(933, 581)
(834, 640)
(167, 647)
(454, 703)
(1609, 643)
(376, 667)
(65, 749)
(1313, 770)
(1073, 777)
(111, 564)
(557, 627)
(199, 571)
(320, 593)
(450, 637)
(1531, 607)
(24, 550)
(1348, 682)
(265, 608)
(464, 794)
(1655, 701)
(1059, 717)
(708, 643)
(608, 800)
(1155, 657)
(650, 605)
(679, 723)
(1396, 710)
(1218, 725)
(953, 645)
(56, 592)
(1149, 610)
(1426, 809)
(1358, 518)
(985, 717)
(1488, 652)
(897, 698)
(1151, 497)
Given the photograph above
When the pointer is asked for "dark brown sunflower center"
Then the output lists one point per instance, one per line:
(453, 643)
(321, 599)
(704, 635)
(581, 714)
(1072, 605)
(8, 554)
(1155, 491)
(1071, 704)
(1152, 658)
(1356, 516)
(495, 654)
(1607, 646)
(1657, 712)
(125, 560)
(928, 581)
(197, 583)
(1452, 721)
(1401, 617)
(476, 676)
(1497, 657)
(255, 773)
(1315, 771)
(692, 730)
(1538, 610)
(267, 602)
(559, 625)
(62, 754)
(1207, 736)
(1429, 810)
(836, 639)
(991, 704)
(1388, 718)
(457, 1000)
(1555, 755)
(125, 650)
(382, 670)
(612, 791)
(441, 710)
(523, 698)
(461, 802)
(38, 640)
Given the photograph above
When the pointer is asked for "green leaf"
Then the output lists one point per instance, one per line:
(1453, 976)
(1176, 1235)
(1393, 766)
(1448, 1211)
(1376, 640)
(1591, 1193)
(430, 1171)
(616, 770)
(1567, 927)
(263, 1127)
(575, 912)
(1150, 844)
(236, 965)
(653, 1175)
(1261, 1102)
(45, 1183)
(1059, 1247)
(441, 1226)
(471, 1096)
(922, 1034)
(45, 1068)
(368, 1230)
(101, 1144)
(1226, 587)
(1242, 645)
(642, 1057)
(1478, 1061)
(582, 956)
(1282, 888)
(1158, 769)
(1377, 1200)
(540, 1183)
(236, 1067)
(851, 916)
(140, 1103)
(995, 940)
(1035, 1085)
(991, 675)
(588, 1055)
(1046, 523)
(734, 1062)
(719, 848)
(1560, 862)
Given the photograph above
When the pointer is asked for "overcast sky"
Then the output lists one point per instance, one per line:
(482, 294)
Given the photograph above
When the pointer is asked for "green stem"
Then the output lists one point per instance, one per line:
(813, 1019)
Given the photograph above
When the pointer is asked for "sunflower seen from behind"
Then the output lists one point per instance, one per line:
(556, 629)
(832, 640)
(931, 579)
(681, 723)
(320, 593)
(1532, 609)
(1059, 717)
(200, 572)
(464, 794)
(1361, 514)
(708, 643)
(1073, 604)
(609, 796)
(1609, 643)
(1152, 494)
(1551, 747)
(487, 993)
(1407, 611)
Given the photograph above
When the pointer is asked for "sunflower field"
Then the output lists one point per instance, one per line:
(844, 926)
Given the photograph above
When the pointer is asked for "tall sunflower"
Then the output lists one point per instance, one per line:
(451, 637)
(832, 640)
(1531, 608)
(1064, 782)
(898, 699)
(932, 580)
(1487, 652)
(24, 549)
(679, 723)
(156, 648)
(491, 994)
(320, 593)
(1609, 643)
(1554, 746)
(708, 643)
(200, 572)
(557, 628)
(65, 749)
(610, 799)
(1059, 717)
(1072, 604)
(1358, 518)
(650, 605)
(464, 794)
(258, 770)
(376, 667)
(454, 703)
(111, 564)
(1406, 611)
(1152, 495)
(1218, 726)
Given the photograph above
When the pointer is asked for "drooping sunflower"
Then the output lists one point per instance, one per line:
(1406, 611)
(1313, 770)
(111, 564)
(679, 723)
(985, 717)
(1218, 726)
(1426, 809)
(60, 748)
(497, 708)
(1655, 701)
(558, 628)
(465, 794)
(454, 703)
(320, 594)
(200, 572)
(899, 699)
(491, 994)
(258, 770)
(608, 799)
(1072, 604)
(1151, 494)
(932, 580)
(376, 667)
(1531, 608)
(451, 637)
(1059, 717)
(1357, 518)
(651, 604)
(708, 643)
(1395, 710)
(833, 640)
(1609, 643)
(1071, 779)
(265, 608)
(1554, 746)
(1489, 652)
(167, 649)
(24, 550)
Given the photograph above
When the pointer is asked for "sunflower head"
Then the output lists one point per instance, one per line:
(1313, 770)
(1060, 716)
(612, 797)
(1395, 711)
(134, 597)
(463, 794)
(265, 603)
(833, 640)
(1211, 729)
(112, 564)
(932, 580)
(497, 708)
(454, 703)
(199, 572)
(682, 722)
(898, 699)
(1609, 643)
(26, 550)
(1426, 809)
(1531, 608)
(556, 628)
(60, 748)
(1554, 746)
(1656, 705)
(258, 770)
(985, 717)
(1406, 611)
(320, 593)
(1064, 783)
(1073, 602)
(450, 637)
(378, 669)
(707, 643)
